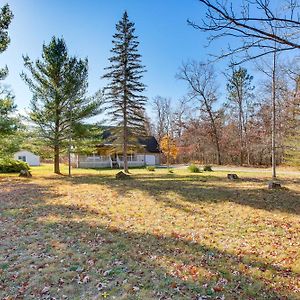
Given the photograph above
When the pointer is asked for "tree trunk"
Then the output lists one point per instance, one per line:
(248, 156)
(168, 153)
(56, 141)
(247, 147)
(56, 160)
(214, 129)
(125, 158)
(216, 138)
(274, 117)
(219, 162)
(241, 136)
(125, 144)
(69, 161)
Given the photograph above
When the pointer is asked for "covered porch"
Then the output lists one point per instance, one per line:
(144, 152)
(96, 161)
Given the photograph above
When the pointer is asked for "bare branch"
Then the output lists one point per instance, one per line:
(258, 25)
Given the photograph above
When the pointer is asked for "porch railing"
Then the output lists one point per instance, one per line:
(105, 161)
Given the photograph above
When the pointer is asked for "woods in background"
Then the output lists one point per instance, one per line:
(237, 131)
(241, 124)
(256, 129)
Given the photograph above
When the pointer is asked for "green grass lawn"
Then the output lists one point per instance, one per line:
(156, 236)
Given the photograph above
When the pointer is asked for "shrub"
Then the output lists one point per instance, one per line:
(207, 168)
(9, 165)
(193, 168)
(151, 168)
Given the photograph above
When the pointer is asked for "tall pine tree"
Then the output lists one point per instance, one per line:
(5, 19)
(240, 98)
(124, 92)
(7, 106)
(59, 104)
(292, 143)
(8, 122)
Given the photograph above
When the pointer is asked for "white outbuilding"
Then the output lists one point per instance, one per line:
(28, 157)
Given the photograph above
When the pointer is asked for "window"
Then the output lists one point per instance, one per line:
(23, 158)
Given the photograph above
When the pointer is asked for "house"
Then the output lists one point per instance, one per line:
(28, 157)
(144, 152)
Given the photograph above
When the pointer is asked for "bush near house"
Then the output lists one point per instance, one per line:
(193, 169)
(151, 168)
(9, 165)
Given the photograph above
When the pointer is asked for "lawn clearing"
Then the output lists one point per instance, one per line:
(157, 236)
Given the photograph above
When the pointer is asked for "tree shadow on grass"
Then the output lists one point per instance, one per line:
(179, 269)
(131, 265)
(83, 259)
(22, 193)
(202, 189)
(25, 197)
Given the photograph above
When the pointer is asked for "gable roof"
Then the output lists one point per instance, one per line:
(149, 143)
(25, 151)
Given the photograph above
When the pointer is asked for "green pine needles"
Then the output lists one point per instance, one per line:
(124, 91)
(59, 105)
(6, 17)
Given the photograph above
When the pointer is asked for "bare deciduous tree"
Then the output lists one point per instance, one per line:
(180, 116)
(260, 26)
(201, 80)
(163, 116)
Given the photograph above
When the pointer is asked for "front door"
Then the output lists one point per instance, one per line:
(114, 161)
(150, 160)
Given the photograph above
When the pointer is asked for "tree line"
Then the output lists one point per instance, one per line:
(236, 131)
(263, 132)
(254, 125)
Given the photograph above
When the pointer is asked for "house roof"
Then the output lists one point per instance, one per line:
(149, 143)
(27, 151)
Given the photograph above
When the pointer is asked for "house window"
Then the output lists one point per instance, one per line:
(23, 158)
(130, 157)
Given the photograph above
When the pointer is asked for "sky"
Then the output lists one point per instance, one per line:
(87, 27)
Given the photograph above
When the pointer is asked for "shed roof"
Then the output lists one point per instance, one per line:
(27, 151)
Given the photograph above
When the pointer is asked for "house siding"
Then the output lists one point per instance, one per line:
(98, 161)
(31, 159)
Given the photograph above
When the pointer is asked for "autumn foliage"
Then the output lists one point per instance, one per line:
(158, 236)
(169, 148)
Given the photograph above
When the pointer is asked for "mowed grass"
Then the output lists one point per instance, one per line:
(156, 236)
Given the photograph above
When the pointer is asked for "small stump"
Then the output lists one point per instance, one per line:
(273, 185)
(207, 169)
(25, 173)
(121, 175)
(232, 177)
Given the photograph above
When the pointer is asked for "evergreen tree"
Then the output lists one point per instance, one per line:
(59, 103)
(292, 142)
(5, 19)
(240, 97)
(9, 123)
(124, 92)
(293, 149)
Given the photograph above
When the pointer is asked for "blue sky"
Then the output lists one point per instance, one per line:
(87, 27)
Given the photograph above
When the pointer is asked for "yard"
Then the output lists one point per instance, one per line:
(156, 236)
